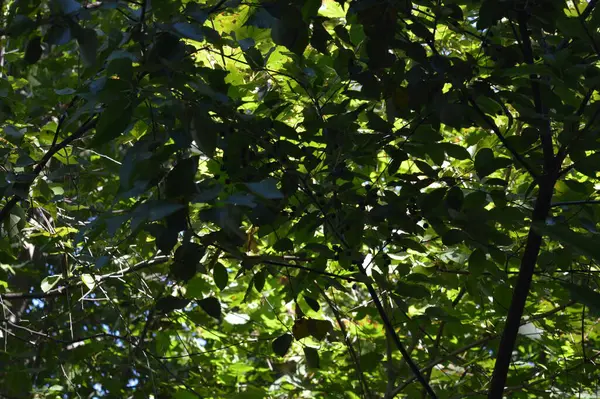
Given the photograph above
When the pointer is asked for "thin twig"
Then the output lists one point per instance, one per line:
(62, 289)
(84, 128)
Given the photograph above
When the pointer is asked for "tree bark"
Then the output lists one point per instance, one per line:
(521, 290)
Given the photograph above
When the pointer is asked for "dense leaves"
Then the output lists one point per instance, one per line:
(322, 198)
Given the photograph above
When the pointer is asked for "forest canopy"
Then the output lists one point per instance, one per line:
(299, 199)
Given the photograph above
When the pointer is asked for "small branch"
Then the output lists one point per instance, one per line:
(216, 7)
(438, 339)
(583, 16)
(550, 377)
(568, 203)
(546, 133)
(373, 294)
(85, 127)
(62, 289)
(502, 139)
(353, 354)
(477, 343)
(272, 262)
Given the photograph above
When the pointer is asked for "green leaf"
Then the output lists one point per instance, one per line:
(266, 189)
(453, 237)
(281, 344)
(212, 306)
(314, 304)
(170, 303)
(221, 276)
(312, 357)
(489, 13)
(291, 32)
(412, 290)
(187, 259)
(181, 180)
(113, 122)
(157, 210)
(50, 282)
(88, 46)
(586, 244)
(310, 9)
(589, 165)
(484, 162)
(586, 296)
(189, 31)
(33, 52)
(456, 151)
(88, 280)
(259, 280)
(478, 263)
(68, 6)
(283, 245)
(455, 198)
(254, 58)
(370, 361)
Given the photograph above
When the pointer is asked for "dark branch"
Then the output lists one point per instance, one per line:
(85, 127)
(581, 202)
(502, 139)
(63, 289)
(546, 133)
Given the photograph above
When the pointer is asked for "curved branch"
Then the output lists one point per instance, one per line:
(502, 139)
(63, 289)
(477, 343)
(84, 128)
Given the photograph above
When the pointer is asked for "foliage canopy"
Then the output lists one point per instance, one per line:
(299, 198)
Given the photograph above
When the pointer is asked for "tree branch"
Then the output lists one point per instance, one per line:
(583, 16)
(502, 139)
(85, 127)
(546, 133)
(373, 294)
(521, 290)
(353, 354)
(465, 348)
(62, 289)
(568, 203)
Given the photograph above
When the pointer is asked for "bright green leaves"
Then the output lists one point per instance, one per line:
(50, 282)
(252, 155)
(282, 344)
